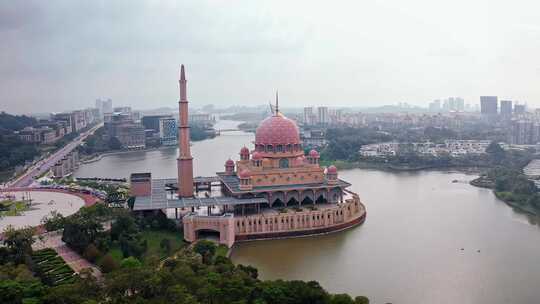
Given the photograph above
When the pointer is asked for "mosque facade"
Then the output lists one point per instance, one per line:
(273, 190)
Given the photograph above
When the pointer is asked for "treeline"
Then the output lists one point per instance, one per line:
(10, 123)
(198, 132)
(14, 152)
(344, 143)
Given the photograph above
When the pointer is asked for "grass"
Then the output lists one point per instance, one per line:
(153, 239)
(222, 250)
(51, 267)
(14, 208)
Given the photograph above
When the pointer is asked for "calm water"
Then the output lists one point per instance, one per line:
(409, 248)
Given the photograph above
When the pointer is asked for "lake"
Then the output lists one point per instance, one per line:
(426, 238)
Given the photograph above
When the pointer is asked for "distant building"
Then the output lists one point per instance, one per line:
(151, 122)
(66, 165)
(107, 106)
(323, 118)
(522, 132)
(130, 134)
(506, 108)
(313, 138)
(488, 105)
(520, 109)
(202, 119)
(309, 117)
(168, 131)
(435, 106)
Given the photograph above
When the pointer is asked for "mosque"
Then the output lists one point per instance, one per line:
(274, 190)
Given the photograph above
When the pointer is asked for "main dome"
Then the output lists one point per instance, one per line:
(277, 130)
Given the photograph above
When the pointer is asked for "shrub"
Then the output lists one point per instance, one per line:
(130, 262)
(165, 244)
(91, 253)
(108, 264)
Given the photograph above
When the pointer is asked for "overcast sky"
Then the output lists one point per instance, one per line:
(57, 55)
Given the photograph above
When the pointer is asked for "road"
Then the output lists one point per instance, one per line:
(45, 164)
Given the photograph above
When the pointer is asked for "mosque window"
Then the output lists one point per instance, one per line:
(279, 148)
(284, 163)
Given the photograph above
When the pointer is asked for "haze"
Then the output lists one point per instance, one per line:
(60, 55)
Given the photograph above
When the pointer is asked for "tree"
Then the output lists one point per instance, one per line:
(495, 151)
(165, 244)
(79, 232)
(361, 300)
(341, 299)
(123, 225)
(54, 221)
(108, 264)
(19, 242)
(132, 245)
(206, 249)
(91, 253)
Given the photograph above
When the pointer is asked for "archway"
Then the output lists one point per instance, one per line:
(292, 202)
(207, 234)
(278, 203)
(307, 197)
(307, 201)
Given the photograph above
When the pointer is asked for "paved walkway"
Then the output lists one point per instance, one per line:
(73, 259)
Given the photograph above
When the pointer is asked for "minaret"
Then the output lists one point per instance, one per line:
(185, 161)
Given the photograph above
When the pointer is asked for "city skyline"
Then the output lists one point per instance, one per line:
(313, 55)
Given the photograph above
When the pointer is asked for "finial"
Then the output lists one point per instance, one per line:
(182, 73)
(277, 103)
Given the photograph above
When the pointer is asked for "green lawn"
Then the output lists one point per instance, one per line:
(222, 250)
(13, 208)
(153, 239)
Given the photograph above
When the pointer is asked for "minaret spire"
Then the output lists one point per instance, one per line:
(277, 103)
(185, 161)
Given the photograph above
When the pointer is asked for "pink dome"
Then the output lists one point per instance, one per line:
(245, 173)
(229, 162)
(331, 170)
(244, 150)
(299, 160)
(276, 130)
(256, 156)
(314, 154)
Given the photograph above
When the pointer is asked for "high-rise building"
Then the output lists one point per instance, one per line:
(168, 131)
(488, 105)
(435, 106)
(522, 132)
(520, 109)
(506, 108)
(151, 122)
(323, 115)
(99, 106)
(308, 116)
(107, 106)
(460, 104)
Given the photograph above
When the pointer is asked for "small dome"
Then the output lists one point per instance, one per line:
(331, 170)
(245, 173)
(277, 130)
(314, 154)
(244, 150)
(299, 160)
(256, 156)
(229, 162)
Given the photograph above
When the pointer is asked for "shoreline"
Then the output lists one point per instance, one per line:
(481, 182)
(345, 165)
(99, 156)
